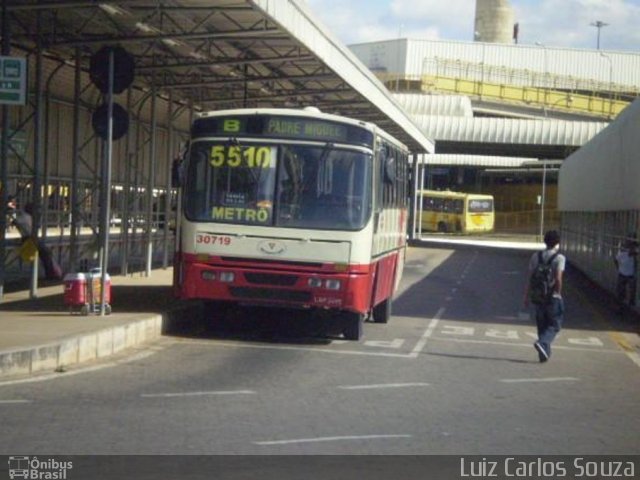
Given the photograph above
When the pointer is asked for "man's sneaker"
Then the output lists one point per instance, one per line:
(542, 353)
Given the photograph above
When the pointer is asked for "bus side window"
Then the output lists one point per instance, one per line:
(458, 206)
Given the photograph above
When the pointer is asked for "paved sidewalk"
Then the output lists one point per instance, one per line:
(42, 335)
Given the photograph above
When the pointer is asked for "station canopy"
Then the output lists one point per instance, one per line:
(218, 54)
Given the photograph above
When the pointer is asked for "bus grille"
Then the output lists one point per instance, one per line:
(271, 279)
(271, 294)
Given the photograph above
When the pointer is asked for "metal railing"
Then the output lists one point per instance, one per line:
(594, 103)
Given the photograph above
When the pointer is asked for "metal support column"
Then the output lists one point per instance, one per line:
(37, 158)
(105, 204)
(75, 201)
(4, 156)
(126, 213)
(150, 180)
(167, 197)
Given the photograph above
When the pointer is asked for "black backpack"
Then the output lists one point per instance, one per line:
(542, 281)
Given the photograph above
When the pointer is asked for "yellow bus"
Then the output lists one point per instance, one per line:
(445, 211)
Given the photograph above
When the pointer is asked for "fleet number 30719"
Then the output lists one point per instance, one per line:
(213, 239)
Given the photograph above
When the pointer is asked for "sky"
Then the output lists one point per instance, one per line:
(553, 23)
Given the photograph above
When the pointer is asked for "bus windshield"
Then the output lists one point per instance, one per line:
(285, 185)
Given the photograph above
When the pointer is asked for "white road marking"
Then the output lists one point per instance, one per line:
(592, 341)
(13, 402)
(428, 332)
(382, 385)
(635, 358)
(527, 345)
(395, 343)
(532, 380)
(198, 394)
(329, 439)
(506, 334)
(457, 330)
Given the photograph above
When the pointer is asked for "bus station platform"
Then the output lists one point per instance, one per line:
(42, 335)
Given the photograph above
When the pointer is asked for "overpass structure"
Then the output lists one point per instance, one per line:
(517, 94)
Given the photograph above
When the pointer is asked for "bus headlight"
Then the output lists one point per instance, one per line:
(208, 275)
(314, 282)
(227, 277)
(332, 284)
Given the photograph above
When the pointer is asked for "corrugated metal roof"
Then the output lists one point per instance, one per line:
(214, 55)
(604, 175)
(446, 105)
(474, 160)
(511, 131)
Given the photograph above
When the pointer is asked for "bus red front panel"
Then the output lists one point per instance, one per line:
(330, 286)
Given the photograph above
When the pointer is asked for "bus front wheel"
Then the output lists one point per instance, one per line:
(352, 328)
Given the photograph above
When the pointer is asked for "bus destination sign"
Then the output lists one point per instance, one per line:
(280, 126)
(303, 128)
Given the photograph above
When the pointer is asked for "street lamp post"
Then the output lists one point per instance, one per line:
(610, 80)
(542, 202)
(598, 24)
(545, 63)
(547, 166)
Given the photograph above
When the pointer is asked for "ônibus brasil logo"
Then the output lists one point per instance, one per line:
(32, 468)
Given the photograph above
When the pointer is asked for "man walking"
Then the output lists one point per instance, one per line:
(544, 290)
(626, 262)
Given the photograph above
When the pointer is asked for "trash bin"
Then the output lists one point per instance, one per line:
(82, 292)
(95, 279)
(75, 292)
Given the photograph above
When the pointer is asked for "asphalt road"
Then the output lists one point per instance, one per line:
(454, 372)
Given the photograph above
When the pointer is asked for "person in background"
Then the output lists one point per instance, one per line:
(626, 262)
(23, 221)
(10, 213)
(549, 305)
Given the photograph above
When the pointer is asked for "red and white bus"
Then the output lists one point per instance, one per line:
(293, 208)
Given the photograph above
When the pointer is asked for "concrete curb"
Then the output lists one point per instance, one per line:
(79, 349)
(88, 347)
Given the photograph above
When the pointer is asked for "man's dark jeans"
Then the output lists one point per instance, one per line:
(626, 285)
(549, 319)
